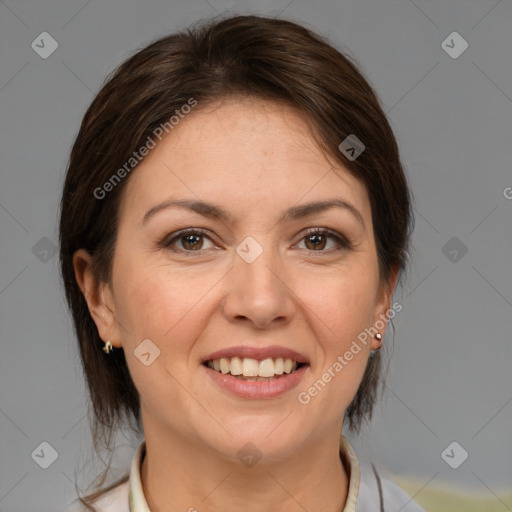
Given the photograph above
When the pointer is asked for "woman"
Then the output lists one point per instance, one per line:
(234, 221)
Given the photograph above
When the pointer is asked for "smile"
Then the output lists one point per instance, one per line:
(249, 369)
(255, 379)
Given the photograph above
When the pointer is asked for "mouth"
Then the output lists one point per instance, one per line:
(250, 369)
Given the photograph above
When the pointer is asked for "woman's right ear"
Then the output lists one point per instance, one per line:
(98, 297)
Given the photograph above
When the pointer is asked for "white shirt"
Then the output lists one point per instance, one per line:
(363, 492)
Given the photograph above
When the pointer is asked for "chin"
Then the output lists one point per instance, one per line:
(267, 438)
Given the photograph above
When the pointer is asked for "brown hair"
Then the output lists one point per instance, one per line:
(246, 56)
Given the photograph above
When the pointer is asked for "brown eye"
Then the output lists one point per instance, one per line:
(317, 239)
(191, 240)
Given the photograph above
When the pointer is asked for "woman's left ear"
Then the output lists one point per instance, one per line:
(383, 304)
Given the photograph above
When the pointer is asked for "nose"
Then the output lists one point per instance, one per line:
(260, 292)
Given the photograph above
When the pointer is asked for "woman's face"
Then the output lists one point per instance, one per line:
(255, 279)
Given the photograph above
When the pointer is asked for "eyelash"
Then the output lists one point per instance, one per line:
(340, 239)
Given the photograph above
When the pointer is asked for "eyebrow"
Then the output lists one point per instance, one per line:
(217, 212)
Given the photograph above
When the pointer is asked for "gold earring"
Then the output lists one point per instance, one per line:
(108, 347)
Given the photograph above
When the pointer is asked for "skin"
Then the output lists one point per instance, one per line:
(255, 159)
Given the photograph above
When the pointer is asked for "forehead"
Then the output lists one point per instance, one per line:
(244, 153)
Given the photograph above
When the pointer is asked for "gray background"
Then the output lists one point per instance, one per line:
(450, 377)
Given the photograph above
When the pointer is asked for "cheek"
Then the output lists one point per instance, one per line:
(165, 308)
(343, 304)
(341, 314)
(164, 305)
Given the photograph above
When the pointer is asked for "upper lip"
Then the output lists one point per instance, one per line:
(259, 353)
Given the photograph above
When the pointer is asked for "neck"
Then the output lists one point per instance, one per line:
(179, 476)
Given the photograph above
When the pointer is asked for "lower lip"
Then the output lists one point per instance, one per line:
(257, 389)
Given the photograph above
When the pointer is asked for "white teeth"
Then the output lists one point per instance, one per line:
(250, 367)
(236, 366)
(224, 365)
(253, 369)
(266, 368)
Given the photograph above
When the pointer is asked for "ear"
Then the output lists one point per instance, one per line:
(98, 297)
(383, 304)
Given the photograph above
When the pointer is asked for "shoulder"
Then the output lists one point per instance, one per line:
(114, 500)
(393, 498)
